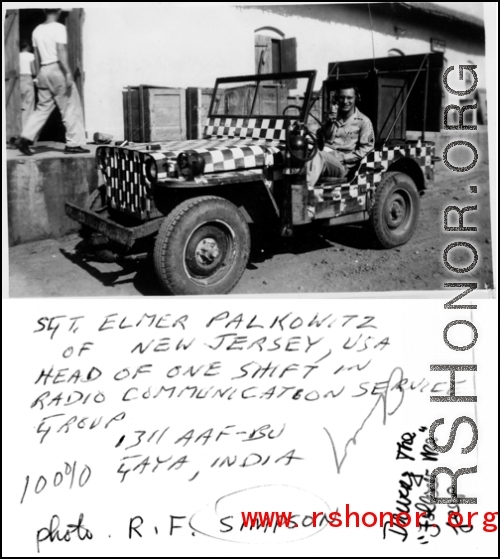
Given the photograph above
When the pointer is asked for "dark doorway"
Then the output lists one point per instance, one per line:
(28, 19)
(19, 26)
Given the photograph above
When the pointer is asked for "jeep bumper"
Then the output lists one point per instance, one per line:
(120, 234)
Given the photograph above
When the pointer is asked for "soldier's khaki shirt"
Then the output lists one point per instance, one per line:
(351, 139)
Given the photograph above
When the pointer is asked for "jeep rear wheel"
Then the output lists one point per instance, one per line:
(394, 215)
(202, 247)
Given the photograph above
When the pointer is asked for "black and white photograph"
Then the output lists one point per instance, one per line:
(279, 149)
(249, 299)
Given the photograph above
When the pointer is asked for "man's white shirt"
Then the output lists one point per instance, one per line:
(25, 60)
(46, 37)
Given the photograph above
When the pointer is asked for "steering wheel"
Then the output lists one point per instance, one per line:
(312, 146)
(318, 138)
(320, 133)
(291, 107)
(300, 109)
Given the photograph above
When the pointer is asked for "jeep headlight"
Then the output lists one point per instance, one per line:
(191, 165)
(151, 170)
(101, 158)
(183, 166)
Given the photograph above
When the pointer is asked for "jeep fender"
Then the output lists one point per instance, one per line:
(411, 168)
(254, 199)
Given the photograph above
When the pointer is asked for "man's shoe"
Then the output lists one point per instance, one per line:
(77, 149)
(22, 144)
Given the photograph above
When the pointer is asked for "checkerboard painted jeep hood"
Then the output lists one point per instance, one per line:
(228, 154)
(229, 144)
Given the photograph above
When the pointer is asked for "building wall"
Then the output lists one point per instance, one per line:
(170, 45)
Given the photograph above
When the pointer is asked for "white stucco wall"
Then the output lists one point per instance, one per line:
(169, 44)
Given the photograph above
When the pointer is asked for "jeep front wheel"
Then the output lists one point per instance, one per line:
(394, 215)
(202, 247)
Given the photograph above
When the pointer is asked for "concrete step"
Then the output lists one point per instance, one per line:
(39, 185)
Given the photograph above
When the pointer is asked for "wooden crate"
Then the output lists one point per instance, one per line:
(271, 99)
(153, 113)
(197, 106)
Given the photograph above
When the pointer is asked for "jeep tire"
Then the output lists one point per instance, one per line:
(394, 214)
(202, 247)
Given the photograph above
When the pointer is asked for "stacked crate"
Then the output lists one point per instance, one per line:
(197, 107)
(153, 113)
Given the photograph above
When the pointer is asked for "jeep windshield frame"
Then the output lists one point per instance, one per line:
(310, 75)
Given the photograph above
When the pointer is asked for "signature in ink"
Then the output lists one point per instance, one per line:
(54, 533)
(383, 399)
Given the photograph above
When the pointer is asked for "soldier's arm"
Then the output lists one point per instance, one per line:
(62, 54)
(365, 144)
(37, 63)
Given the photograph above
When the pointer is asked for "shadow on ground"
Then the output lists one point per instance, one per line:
(141, 274)
(311, 238)
(143, 278)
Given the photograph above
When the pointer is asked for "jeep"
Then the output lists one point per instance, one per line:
(194, 203)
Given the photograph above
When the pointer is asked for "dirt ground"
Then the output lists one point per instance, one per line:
(314, 261)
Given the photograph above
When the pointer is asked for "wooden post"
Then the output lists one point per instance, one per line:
(13, 124)
(129, 132)
(142, 117)
(74, 25)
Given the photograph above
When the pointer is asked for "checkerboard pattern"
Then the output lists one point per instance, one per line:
(127, 186)
(254, 128)
(377, 162)
(248, 144)
(352, 194)
(223, 154)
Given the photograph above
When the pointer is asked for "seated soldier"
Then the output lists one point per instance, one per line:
(348, 132)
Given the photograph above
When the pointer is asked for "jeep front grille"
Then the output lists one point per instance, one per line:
(127, 187)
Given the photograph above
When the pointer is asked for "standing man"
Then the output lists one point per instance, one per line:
(55, 87)
(27, 73)
(349, 134)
